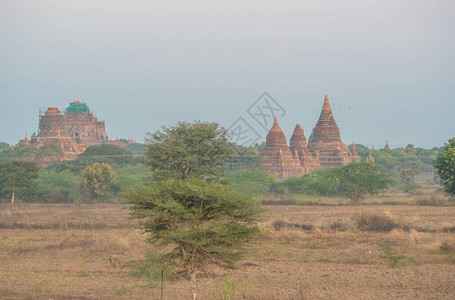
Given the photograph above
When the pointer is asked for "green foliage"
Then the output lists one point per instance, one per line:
(353, 181)
(4, 146)
(358, 179)
(15, 176)
(50, 149)
(136, 148)
(198, 149)
(8, 154)
(116, 161)
(393, 161)
(445, 164)
(226, 290)
(97, 179)
(105, 150)
(319, 183)
(132, 176)
(151, 268)
(250, 182)
(242, 158)
(409, 188)
(391, 256)
(410, 149)
(200, 222)
(260, 146)
(53, 187)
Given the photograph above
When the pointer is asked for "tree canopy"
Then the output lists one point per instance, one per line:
(196, 149)
(202, 222)
(445, 164)
(97, 179)
(105, 149)
(15, 176)
(357, 179)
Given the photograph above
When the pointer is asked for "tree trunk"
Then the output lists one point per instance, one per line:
(12, 198)
(193, 285)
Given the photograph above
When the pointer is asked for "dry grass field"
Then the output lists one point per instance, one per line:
(66, 251)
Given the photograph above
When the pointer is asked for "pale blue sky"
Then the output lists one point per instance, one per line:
(387, 66)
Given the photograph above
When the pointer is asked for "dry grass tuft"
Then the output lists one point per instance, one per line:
(375, 223)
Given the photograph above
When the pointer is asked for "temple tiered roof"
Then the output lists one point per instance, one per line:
(276, 157)
(326, 140)
(299, 148)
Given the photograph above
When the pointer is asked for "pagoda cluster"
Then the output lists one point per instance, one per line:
(323, 149)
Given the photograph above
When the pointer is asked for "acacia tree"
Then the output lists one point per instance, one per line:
(358, 179)
(187, 149)
(202, 222)
(445, 164)
(15, 175)
(97, 179)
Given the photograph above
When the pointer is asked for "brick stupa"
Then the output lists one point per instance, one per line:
(299, 147)
(277, 158)
(386, 147)
(354, 150)
(326, 141)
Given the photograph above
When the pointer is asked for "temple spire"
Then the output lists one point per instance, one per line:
(387, 148)
(354, 150)
(26, 142)
(327, 110)
(276, 136)
(370, 158)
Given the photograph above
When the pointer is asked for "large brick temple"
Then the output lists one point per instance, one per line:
(323, 149)
(74, 131)
(82, 124)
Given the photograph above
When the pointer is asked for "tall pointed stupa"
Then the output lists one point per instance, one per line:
(276, 157)
(299, 147)
(370, 158)
(26, 141)
(326, 139)
(386, 147)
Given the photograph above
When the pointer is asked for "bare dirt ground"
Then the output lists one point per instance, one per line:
(62, 251)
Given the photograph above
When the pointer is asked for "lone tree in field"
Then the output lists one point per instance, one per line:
(445, 164)
(16, 175)
(187, 149)
(359, 179)
(203, 222)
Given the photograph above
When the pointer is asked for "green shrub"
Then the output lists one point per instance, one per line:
(315, 183)
(251, 182)
(394, 259)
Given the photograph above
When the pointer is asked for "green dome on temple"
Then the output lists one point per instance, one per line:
(77, 106)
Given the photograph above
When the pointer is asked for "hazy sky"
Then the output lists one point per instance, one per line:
(387, 66)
